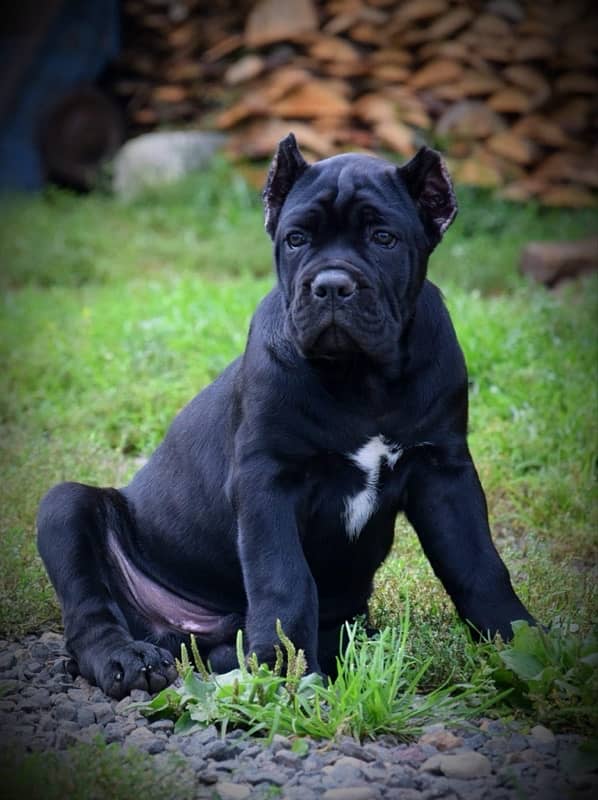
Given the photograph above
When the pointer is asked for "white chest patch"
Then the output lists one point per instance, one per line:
(369, 458)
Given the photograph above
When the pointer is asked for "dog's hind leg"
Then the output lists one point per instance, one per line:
(73, 523)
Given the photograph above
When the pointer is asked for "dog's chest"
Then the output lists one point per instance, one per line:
(371, 459)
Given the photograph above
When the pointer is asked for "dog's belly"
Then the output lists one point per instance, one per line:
(164, 610)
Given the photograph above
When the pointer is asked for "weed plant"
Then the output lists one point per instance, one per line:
(377, 690)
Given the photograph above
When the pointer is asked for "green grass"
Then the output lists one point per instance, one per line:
(378, 690)
(93, 772)
(114, 315)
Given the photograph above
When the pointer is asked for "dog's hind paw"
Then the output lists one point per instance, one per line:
(138, 665)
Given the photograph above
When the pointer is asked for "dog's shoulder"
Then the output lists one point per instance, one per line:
(435, 374)
(432, 334)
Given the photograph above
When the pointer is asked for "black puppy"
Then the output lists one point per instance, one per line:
(275, 491)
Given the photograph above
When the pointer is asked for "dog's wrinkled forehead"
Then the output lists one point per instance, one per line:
(348, 190)
(419, 190)
(342, 181)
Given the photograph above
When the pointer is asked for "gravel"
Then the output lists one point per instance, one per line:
(42, 708)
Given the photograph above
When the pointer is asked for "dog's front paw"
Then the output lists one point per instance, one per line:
(138, 665)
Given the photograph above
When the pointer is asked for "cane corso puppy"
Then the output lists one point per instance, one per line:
(275, 491)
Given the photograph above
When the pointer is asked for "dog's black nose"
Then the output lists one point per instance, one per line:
(333, 284)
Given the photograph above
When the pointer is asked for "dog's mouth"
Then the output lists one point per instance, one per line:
(332, 342)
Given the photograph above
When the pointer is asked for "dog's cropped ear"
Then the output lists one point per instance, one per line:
(431, 189)
(287, 165)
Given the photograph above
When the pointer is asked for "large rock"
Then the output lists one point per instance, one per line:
(157, 158)
(461, 765)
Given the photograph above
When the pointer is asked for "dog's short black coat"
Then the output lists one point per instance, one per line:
(275, 492)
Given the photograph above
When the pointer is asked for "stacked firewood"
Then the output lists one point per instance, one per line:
(506, 88)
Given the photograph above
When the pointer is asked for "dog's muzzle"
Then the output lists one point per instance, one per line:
(332, 286)
(324, 312)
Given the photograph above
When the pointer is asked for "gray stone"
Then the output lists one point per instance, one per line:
(79, 694)
(39, 651)
(461, 765)
(350, 747)
(313, 762)
(495, 727)
(140, 696)
(165, 725)
(373, 752)
(47, 723)
(103, 712)
(278, 743)
(402, 779)
(410, 794)
(122, 707)
(116, 731)
(85, 717)
(541, 734)
(351, 793)
(7, 661)
(157, 158)
(226, 790)
(252, 751)
(228, 765)
(288, 759)
(209, 776)
(497, 745)
(298, 793)
(53, 641)
(255, 776)
(58, 684)
(439, 788)
(410, 755)
(220, 750)
(475, 741)
(65, 710)
(545, 748)
(472, 789)
(196, 763)
(38, 700)
(517, 742)
(310, 780)
(376, 772)
(144, 739)
(346, 771)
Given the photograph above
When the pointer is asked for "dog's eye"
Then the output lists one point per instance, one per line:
(384, 238)
(296, 239)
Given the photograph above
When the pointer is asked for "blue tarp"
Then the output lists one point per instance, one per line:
(79, 43)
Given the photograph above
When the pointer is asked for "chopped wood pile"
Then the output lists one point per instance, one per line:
(552, 263)
(506, 88)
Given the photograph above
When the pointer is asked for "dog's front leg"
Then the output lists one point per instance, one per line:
(277, 578)
(447, 508)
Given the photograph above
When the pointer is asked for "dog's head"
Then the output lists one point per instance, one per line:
(352, 235)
